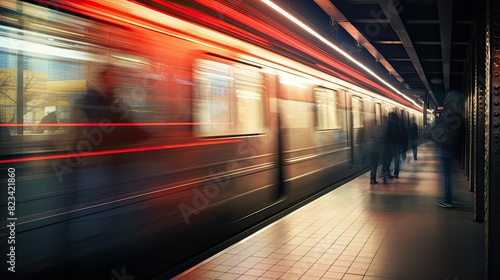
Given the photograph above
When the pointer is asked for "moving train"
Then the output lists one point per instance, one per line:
(222, 129)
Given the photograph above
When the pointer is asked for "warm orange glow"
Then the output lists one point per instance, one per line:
(214, 22)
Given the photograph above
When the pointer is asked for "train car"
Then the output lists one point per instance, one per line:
(211, 137)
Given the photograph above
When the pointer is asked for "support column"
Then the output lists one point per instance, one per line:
(426, 106)
(470, 114)
(471, 111)
(492, 143)
(479, 127)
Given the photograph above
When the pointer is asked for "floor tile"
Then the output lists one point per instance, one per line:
(366, 232)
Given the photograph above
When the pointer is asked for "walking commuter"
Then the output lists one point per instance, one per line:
(413, 135)
(403, 142)
(378, 141)
(392, 146)
(448, 136)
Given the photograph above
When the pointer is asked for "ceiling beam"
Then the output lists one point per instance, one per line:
(337, 16)
(392, 14)
(445, 9)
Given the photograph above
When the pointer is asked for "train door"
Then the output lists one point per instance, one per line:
(357, 131)
(378, 114)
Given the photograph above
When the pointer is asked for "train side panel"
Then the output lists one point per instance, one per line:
(217, 136)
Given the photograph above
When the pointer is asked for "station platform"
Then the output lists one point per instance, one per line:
(363, 231)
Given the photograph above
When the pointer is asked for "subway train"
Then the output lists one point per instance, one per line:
(215, 131)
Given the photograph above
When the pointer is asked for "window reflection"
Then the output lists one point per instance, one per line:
(326, 109)
(228, 99)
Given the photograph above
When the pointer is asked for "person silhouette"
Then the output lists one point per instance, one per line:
(377, 155)
(413, 136)
(448, 137)
(52, 117)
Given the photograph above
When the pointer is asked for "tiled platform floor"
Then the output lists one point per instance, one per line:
(359, 231)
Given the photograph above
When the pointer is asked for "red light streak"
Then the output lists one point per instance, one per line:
(107, 124)
(193, 14)
(120, 151)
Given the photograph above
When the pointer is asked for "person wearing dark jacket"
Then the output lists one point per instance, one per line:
(106, 129)
(387, 131)
(403, 142)
(377, 154)
(101, 105)
(50, 118)
(394, 140)
(413, 136)
(448, 137)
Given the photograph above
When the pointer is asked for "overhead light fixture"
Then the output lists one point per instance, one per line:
(436, 81)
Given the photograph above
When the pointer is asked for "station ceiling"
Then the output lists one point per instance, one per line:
(418, 45)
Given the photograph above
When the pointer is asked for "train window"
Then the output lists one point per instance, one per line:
(228, 99)
(378, 114)
(59, 62)
(357, 112)
(326, 109)
(387, 111)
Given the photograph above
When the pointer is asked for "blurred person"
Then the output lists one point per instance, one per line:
(50, 118)
(102, 106)
(377, 153)
(403, 141)
(94, 178)
(98, 103)
(96, 106)
(413, 136)
(448, 137)
(387, 150)
(393, 146)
